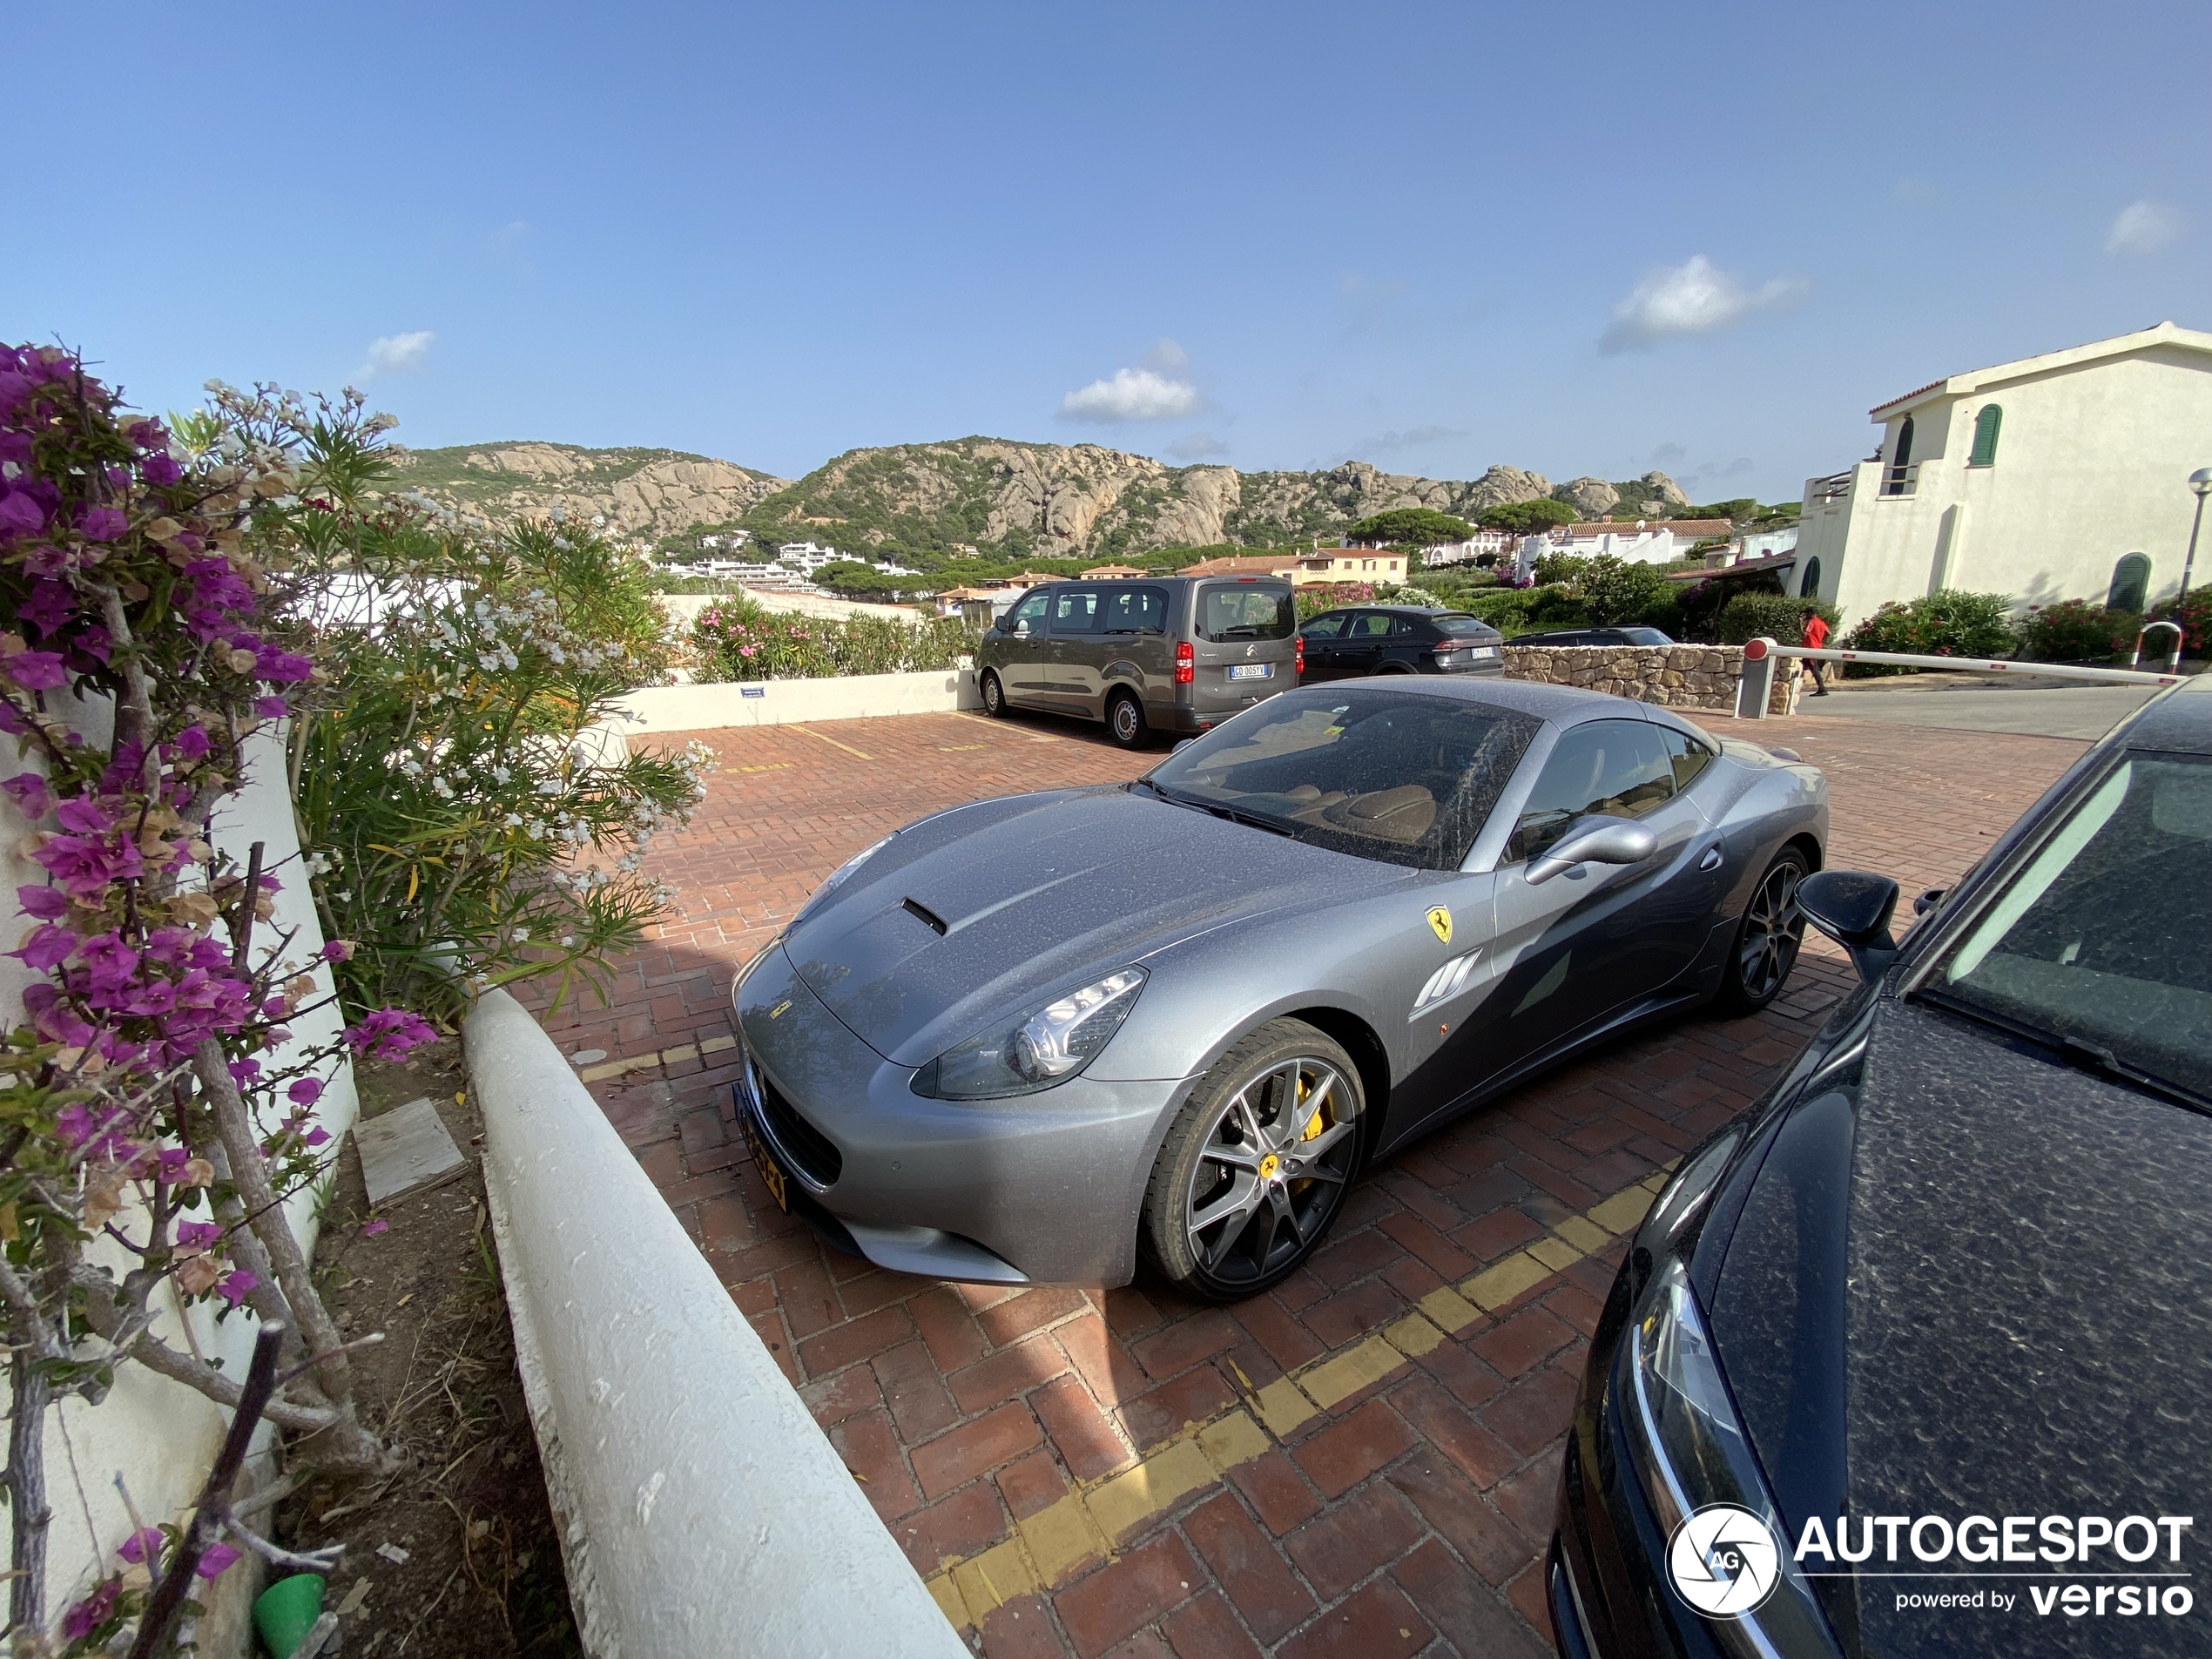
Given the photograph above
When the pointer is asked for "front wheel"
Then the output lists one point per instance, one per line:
(1255, 1169)
(994, 695)
(1767, 940)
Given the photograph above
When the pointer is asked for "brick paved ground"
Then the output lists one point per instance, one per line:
(1361, 1463)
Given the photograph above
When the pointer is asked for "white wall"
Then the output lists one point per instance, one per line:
(160, 1435)
(848, 696)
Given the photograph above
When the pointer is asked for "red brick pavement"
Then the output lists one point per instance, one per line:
(1407, 1517)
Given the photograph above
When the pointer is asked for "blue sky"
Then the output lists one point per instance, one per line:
(1578, 239)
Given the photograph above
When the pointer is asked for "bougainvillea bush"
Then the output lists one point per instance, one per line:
(469, 827)
(737, 639)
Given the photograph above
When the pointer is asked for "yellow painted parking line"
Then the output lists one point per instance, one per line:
(859, 754)
(959, 748)
(1094, 1516)
(780, 765)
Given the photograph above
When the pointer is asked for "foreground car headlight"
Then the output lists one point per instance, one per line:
(839, 877)
(1034, 1050)
(1690, 1454)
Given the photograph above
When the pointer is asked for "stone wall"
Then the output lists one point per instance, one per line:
(1677, 676)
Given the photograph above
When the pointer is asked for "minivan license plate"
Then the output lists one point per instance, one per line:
(1252, 671)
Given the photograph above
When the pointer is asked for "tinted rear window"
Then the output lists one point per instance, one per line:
(1136, 611)
(1463, 625)
(1247, 611)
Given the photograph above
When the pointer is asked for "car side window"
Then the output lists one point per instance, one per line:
(1611, 768)
(1326, 627)
(1029, 616)
(1370, 625)
(1074, 610)
(1687, 756)
(1135, 611)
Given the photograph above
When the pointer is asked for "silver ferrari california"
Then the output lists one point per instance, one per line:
(1027, 1040)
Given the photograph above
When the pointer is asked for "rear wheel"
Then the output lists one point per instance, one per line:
(1125, 721)
(1768, 939)
(1254, 1169)
(994, 695)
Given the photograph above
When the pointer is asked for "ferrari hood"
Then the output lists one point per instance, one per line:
(979, 913)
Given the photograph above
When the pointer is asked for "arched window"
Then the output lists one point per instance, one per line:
(1985, 425)
(1808, 587)
(2130, 583)
(1893, 483)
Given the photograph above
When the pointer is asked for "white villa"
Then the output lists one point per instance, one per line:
(2063, 476)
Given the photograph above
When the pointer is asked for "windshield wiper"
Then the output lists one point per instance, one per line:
(2082, 1056)
(1273, 826)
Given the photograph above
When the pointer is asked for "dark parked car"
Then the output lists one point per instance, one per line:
(1398, 639)
(1915, 1356)
(1177, 654)
(1636, 635)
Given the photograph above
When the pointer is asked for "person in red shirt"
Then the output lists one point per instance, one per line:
(1815, 636)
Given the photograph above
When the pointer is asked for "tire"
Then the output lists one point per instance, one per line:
(995, 703)
(1125, 721)
(1271, 1188)
(1767, 940)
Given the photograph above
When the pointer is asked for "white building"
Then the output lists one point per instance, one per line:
(1496, 543)
(2063, 476)
(1659, 541)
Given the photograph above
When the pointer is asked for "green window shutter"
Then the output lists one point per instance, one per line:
(2130, 586)
(1985, 425)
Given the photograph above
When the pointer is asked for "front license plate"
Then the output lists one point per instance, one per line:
(1252, 671)
(771, 1175)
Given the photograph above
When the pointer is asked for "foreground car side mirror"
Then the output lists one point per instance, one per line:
(1594, 841)
(1853, 908)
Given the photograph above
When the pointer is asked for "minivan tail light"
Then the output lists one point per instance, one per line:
(1186, 663)
(1298, 654)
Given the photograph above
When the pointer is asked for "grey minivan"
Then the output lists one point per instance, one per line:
(1177, 654)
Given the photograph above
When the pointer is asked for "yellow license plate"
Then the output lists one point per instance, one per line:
(771, 1175)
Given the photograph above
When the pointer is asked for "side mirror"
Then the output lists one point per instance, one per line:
(1853, 908)
(1594, 841)
(1181, 746)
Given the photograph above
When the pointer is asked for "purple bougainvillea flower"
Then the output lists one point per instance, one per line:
(48, 607)
(35, 670)
(375, 1227)
(95, 642)
(47, 949)
(191, 742)
(233, 1287)
(83, 817)
(272, 708)
(85, 1616)
(220, 1557)
(47, 904)
(389, 1033)
(143, 1547)
(198, 1235)
(316, 1137)
(28, 790)
(159, 469)
(305, 1092)
(20, 514)
(246, 1072)
(101, 524)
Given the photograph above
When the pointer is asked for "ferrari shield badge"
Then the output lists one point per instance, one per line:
(1440, 918)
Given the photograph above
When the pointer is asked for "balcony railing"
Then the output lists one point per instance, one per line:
(1901, 481)
(1834, 487)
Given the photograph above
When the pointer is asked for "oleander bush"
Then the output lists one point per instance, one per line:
(1947, 622)
(2074, 631)
(738, 639)
(2194, 612)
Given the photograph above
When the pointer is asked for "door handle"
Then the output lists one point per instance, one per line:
(1711, 860)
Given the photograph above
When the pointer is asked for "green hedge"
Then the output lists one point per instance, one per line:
(1772, 616)
(1947, 622)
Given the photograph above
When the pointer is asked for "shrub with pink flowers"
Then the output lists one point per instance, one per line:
(738, 639)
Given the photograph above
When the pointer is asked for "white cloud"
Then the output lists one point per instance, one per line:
(1692, 299)
(395, 353)
(1158, 389)
(2143, 228)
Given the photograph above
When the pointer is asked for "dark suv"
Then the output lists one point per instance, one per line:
(1177, 654)
(1398, 639)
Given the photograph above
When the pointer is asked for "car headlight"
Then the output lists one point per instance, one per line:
(1046, 1045)
(1690, 1453)
(839, 877)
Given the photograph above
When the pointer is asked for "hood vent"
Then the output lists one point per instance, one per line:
(922, 912)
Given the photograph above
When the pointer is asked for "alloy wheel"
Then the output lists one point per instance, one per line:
(1773, 929)
(1272, 1169)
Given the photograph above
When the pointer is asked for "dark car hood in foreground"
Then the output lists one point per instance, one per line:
(2027, 1330)
(1037, 888)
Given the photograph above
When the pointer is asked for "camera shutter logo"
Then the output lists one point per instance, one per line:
(1724, 1561)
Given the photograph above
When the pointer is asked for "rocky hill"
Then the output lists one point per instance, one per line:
(643, 493)
(993, 497)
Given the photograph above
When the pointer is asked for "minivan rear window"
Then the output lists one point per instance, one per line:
(1247, 611)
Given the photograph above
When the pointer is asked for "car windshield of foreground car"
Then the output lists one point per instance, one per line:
(2097, 944)
(1243, 612)
(1400, 777)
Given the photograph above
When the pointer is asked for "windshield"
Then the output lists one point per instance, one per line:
(2098, 939)
(1397, 776)
(1249, 610)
